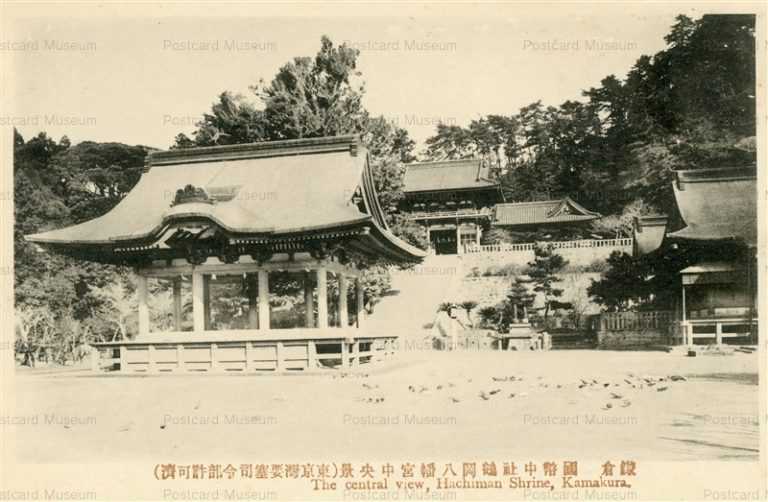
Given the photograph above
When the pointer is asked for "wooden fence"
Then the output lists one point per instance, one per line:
(530, 246)
(243, 352)
(446, 213)
(659, 320)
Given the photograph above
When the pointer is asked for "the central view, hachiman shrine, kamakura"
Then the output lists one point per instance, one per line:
(219, 232)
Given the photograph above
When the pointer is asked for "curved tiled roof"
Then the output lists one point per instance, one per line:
(262, 189)
(541, 212)
(648, 232)
(447, 175)
(717, 204)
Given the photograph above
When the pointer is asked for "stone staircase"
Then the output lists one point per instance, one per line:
(410, 307)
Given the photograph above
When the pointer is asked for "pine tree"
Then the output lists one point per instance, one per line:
(543, 272)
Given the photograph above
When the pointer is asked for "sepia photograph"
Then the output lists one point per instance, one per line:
(383, 251)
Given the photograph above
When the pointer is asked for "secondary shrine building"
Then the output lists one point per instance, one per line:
(458, 201)
(717, 247)
(453, 200)
(247, 257)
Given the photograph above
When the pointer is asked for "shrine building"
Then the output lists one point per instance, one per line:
(717, 247)
(458, 201)
(248, 258)
(453, 200)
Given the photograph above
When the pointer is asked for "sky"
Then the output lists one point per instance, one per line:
(144, 76)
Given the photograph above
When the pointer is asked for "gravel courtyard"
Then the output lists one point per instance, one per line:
(645, 405)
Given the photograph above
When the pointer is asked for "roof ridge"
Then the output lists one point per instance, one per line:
(436, 163)
(531, 202)
(722, 174)
(240, 151)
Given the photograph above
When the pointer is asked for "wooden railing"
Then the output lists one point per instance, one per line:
(659, 320)
(448, 213)
(692, 331)
(530, 246)
(242, 352)
(716, 330)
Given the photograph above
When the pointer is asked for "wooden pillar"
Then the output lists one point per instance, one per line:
(718, 333)
(360, 304)
(248, 355)
(123, 358)
(207, 301)
(478, 234)
(263, 299)
(253, 301)
(429, 242)
(458, 238)
(311, 355)
(279, 355)
(355, 353)
(343, 307)
(141, 289)
(177, 303)
(151, 357)
(514, 313)
(214, 357)
(687, 330)
(309, 302)
(344, 354)
(683, 304)
(322, 298)
(198, 302)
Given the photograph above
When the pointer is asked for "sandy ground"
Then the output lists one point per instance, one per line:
(421, 405)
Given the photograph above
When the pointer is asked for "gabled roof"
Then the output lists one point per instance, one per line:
(713, 272)
(542, 212)
(258, 192)
(710, 266)
(447, 175)
(717, 204)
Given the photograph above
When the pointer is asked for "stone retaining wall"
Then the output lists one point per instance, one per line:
(489, 291)
(626, 339)
(576, 256)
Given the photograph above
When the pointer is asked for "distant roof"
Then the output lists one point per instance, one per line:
(256, 191)
(447, 175)
(540, 212)
(717, 204)
(648, 233)
(713, 272)
(710, 266)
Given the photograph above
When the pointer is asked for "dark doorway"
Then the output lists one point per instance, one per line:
(443, 241)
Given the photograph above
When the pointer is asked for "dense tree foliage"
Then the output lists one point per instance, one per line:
(623, 285)
(309, 98)
(689, 106)
(60, 302)
(650, 281)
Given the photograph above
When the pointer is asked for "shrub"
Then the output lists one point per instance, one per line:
(489, 317)
(622, 284)
(598, 265)
(506, 270)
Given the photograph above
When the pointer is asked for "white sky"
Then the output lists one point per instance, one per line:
(123, 83)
